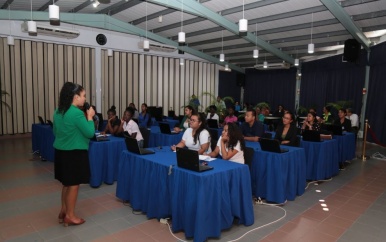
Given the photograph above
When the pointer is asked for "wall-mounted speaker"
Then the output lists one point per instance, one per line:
(352, 50)
(101, 39)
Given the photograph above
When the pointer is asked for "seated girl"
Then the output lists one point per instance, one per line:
(130, 126)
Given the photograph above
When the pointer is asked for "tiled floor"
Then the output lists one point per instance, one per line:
(29, 205)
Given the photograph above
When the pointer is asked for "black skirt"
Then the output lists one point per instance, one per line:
(72, 167)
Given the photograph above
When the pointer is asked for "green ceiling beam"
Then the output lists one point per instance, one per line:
(192, 7)
(336, 9)
(106, 22)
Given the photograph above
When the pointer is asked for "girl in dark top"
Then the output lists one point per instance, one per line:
(287, 133)
(113, 121)
(343, 121)
(311, 123)
(144, 116)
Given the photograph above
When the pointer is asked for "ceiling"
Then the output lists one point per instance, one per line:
(283, 27)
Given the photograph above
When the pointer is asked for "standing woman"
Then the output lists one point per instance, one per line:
(72, 135)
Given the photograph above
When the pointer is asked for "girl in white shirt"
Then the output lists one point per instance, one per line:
(230, 145)
(196, 137)
(129, 125)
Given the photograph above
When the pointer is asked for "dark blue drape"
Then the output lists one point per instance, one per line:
(331, 80)
(376, 101)
(276, 87)
(228, 85)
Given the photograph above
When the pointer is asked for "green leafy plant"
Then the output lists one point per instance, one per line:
(340, 104)
(263, 105)
(4, 93)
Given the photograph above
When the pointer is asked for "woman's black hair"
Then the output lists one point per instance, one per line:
(328, 108)
(67, 93)
(144, 104)
(291, 114)
(313, 115)
(213, 107)
(191, 109)
(112, 110)
(343, 110)
(130, 110)
(201, 118)
(235, 136)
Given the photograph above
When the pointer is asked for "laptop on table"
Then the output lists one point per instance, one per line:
(212, 123)
(165, 128)
(271, 145)
(132, 146)
(334, 129)
(311, 135)
(189, 159)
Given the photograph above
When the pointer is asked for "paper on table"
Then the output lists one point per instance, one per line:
(205, 158)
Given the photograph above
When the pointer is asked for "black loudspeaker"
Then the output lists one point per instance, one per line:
(101, 39)
(240, 79)
(352, 50)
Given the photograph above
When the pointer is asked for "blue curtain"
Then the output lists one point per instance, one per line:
(376, 101)
(331, 80)
(276, 87)
(228, 85)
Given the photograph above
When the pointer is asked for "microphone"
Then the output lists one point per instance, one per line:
(86, 106)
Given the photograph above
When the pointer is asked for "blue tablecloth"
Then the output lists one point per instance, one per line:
(346, 146)
(278, 177)
(322, 159)
(43, 140)
(104, 158)
(201, 204)
(172, 123)
(159, 139)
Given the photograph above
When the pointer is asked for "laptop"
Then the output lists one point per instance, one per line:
(311, 135)
(99, 137)
(132, 146)
(271, 145)
(189, 159)
(165, 128)
(334, 129)
(212, 123)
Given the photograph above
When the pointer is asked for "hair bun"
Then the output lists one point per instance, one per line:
(113, 107)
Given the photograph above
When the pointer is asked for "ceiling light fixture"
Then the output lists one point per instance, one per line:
(146, 43)
(222, 56)
(296, 63)
(181, 35)
(226, 67)
(182, 61)
(265, 64)
(10, 39)
(109, 51)
(311, 46)
(54, 12)
(96, 3)
(32, 28)
(256, 51)
(243, 23)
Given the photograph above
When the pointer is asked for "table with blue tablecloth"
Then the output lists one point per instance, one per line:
(278, 177)
(322, 159)
(43, 140)
(104, 158)
(346, 146)
(159, 139)
(200, 204)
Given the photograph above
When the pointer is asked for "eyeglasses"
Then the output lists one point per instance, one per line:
(287, 118)
(192, 120)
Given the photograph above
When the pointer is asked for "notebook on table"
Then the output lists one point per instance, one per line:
(212, 123)
(311, 135)
(165, 128)
(189, 159)
(271, 145)
(132, 146)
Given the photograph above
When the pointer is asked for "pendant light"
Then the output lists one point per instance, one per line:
(265, 64)
(296, 63)
(10, 39)
(109, 51)
(243, 23)
(53, 11)
(256, 51)
(311, 46)
(222, 56)
(95, 4)
(182, 61)
(32, 28)
(226, 67)
(146, 43)
(181, 35)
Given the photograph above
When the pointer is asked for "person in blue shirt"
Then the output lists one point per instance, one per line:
(237, 107)
(144, 117)
(252, 129)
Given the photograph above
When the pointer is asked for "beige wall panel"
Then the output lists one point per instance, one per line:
(29, 88)
(195, 78)
(200, 86)
(147, 94)
(60, 71)
(3, 110)
(130, 77)
(182, 103)
(206, 98)
(172, 81)
(78, 68)
(165, 81)
(50, 82)
(154, 82)
(116, 83)
(39, 96)
(93, 76)
(86, 73)
(136, 77)
(212, 78)
(123, 78)
(177, 79)
(104, 73)
(141, 92)
(191, 79)
(19, 90)
(186, 90)
(111, 81)
(70, 63)
(160, 79)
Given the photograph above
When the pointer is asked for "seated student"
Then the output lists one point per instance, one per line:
(189, 110)
(252, 129)
(343, 121)
(113, 122)
(237, 107)
(144, 118)
(196, 137)
(136, 113)
(311, 123)
(327, 116)
(261, 115)
(287, 133)
(230, 145)
(230, 118)
(354, 120)
(212, 113)
(130, 126)
(279, 112)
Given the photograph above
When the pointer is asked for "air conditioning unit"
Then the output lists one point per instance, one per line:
(158, 47)
(52, 31)
(271, 66)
